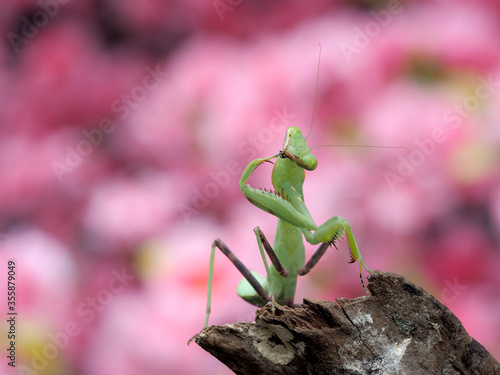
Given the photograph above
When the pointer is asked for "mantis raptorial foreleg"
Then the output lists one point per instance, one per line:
(327, 233)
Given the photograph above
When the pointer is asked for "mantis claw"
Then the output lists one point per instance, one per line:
(193, 338)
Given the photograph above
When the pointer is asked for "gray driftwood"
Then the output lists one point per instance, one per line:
(398, 329)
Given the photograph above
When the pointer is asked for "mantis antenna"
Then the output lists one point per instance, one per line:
(315, 94)
(363, 146)
(314, 111)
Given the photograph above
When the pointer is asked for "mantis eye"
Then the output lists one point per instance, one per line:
(309, 162)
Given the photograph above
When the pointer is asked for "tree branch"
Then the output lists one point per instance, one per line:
(398, 329)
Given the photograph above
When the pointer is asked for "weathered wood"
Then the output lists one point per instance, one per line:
(398, 329)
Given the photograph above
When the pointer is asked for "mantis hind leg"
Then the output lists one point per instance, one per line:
(250, 278)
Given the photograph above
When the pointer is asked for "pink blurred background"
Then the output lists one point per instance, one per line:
(126, 125)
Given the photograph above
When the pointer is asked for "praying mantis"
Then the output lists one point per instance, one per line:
(286, 202)
(295, 223)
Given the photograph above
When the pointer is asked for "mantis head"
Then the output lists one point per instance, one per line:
(296, 149)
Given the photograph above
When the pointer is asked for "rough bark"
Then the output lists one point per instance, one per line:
(398, 329)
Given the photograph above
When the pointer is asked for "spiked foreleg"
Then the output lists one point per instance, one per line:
(276, 203)
(327, 233)
(277, 206)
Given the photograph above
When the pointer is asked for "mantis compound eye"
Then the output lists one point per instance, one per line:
(309, 162)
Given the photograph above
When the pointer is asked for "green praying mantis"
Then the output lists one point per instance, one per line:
(286, 202)
(295, 223)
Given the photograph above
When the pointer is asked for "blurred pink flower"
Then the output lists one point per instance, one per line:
(155, 191)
